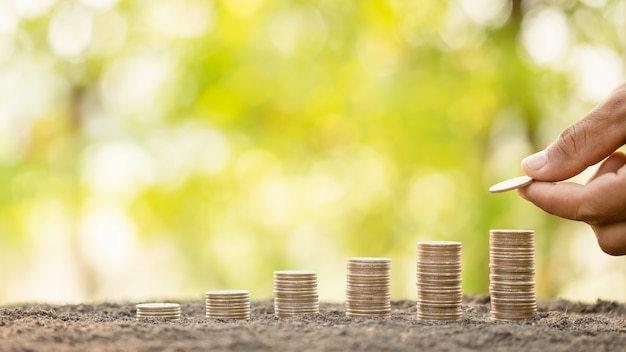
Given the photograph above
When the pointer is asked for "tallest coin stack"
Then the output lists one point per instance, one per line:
(512, 274)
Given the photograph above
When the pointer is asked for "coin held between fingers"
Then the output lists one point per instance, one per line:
(511, 184)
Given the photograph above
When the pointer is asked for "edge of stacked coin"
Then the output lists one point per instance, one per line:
(439, 291)
(368, 286)
(170, 311)
(512, 274)
(295, 293)
(228, 304)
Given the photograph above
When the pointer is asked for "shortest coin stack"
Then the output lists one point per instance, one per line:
(295, 293)
(228, 304)
(512, 274)
(439, 292)
(169, 311)
(368, 287)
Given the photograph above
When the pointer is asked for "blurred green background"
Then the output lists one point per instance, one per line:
(156, 149)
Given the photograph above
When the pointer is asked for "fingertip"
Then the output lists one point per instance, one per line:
(522, 192)
(535, 162)
(531, 194)
(550, 165)
(534, 190)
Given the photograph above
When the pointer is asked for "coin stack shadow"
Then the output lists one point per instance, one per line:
(170, 311)
(228, 304)
(439, 292)
(368, 287)
(512, 274)
(295, 293)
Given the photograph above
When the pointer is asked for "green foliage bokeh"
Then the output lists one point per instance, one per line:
(275, 135)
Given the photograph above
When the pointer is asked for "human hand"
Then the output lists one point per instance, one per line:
(602, 201)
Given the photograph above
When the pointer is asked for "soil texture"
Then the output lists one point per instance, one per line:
(558, 326)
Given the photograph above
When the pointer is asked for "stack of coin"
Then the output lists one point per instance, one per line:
(368, 287)
(169, 311)
(295, 293)
(512, 274)
(228, 304)
(439, 292)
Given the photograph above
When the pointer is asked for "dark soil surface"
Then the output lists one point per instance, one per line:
(558, 326)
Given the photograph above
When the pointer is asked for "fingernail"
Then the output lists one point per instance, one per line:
(536, 161)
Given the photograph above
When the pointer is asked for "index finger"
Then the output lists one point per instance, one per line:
(560, 199)
(589, 140)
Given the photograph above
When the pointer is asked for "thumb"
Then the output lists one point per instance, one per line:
(591, 139)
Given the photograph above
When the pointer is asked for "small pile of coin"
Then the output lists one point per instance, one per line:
(368, 287)
(295, 293)
(439, 292)
(512, 274)
(169, 311)
(228, 304)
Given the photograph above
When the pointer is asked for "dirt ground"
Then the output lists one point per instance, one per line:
(558, 326)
